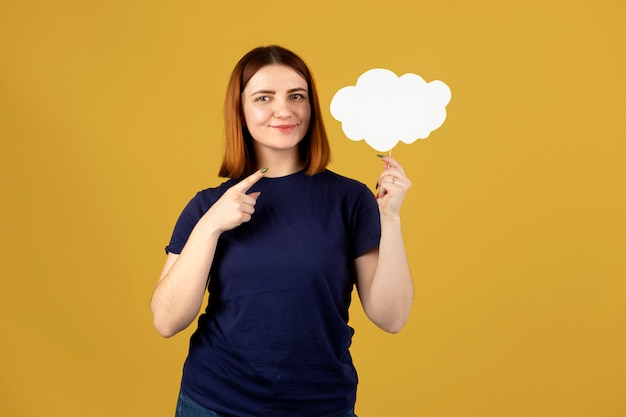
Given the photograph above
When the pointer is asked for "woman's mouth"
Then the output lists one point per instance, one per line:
(284, 128)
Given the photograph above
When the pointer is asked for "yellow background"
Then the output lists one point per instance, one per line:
(110, 120)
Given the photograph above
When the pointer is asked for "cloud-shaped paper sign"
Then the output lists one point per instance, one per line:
(384, 109)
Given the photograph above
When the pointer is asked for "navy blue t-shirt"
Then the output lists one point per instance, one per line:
(274, 338)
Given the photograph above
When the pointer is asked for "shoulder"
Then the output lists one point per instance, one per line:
(333, 178)
(202, 201)
(199, 204)
(348, 187)
(348, 194)
(208, 196)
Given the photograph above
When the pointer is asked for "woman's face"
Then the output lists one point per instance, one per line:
(276, 108)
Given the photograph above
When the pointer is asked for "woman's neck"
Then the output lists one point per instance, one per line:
(280, 164)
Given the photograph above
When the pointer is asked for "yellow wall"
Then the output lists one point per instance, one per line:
(110, 120)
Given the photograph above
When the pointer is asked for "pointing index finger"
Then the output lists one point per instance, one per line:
(244, 185)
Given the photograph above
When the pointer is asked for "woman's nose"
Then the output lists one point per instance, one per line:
(282, 109)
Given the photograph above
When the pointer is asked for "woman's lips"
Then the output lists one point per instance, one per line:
(284, 128)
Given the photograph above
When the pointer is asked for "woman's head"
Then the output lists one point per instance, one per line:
(239, 159)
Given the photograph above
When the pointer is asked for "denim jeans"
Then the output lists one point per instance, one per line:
(187, 407)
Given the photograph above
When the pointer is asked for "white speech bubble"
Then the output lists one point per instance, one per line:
(384, 109)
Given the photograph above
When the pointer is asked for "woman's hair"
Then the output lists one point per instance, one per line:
(239, 159)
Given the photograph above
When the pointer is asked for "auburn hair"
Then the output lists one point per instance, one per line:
(239, 159)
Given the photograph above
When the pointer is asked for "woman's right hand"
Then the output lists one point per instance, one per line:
(235, 206)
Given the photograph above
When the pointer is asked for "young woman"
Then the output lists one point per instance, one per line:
(280, 245)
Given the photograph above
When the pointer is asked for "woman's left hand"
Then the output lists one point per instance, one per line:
(393, 185)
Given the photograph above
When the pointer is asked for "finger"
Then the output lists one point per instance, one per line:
(253, 196)
(389, 184)
(244, 185)
(250, 199)
(389, 176)
(394, 172)
(392, 167)
(392, 163)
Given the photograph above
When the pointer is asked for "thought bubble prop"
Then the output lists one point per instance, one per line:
(384, 109)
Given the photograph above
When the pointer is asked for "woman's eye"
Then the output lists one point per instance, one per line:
(297, 96)
(262, 98)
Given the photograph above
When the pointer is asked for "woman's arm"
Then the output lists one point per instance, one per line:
(177, 298)
(178, 295)
(384, 279)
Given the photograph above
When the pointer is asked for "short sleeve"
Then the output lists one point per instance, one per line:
(195, 209)
(187, 220)
(364, 222)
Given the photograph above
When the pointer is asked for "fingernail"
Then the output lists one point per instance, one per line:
(377, 186)
(264, 170)
(379, 155)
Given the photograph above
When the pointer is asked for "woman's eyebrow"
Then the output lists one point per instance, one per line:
(263, 92)
(291, 90)
(254, 93)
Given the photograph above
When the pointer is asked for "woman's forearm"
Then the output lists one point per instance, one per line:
(391, 290)
(178, 296)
